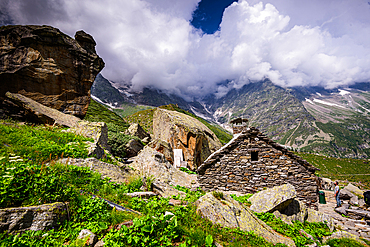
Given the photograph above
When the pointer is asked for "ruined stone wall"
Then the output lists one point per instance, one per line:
(235, 171)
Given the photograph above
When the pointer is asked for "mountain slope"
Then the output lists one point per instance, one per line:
(312, 119)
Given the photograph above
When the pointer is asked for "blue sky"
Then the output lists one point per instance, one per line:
(154, 42)
(208, 14)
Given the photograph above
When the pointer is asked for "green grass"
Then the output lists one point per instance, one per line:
(128, 109)
(38, 144)
(99, 113)
(340, 168)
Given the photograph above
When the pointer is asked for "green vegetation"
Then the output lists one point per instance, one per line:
(341, 169)
(127, 109)
(242, 199)
(316, 230)
(184, 169)
(99, 113)
(117, 139)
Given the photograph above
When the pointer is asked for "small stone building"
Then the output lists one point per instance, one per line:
(251, 162)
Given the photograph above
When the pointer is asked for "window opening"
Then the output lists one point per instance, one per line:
(254, 156)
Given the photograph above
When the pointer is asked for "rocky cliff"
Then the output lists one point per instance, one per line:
(48, 66)
(187, 133)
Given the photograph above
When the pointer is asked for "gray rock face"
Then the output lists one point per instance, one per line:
(35, 218)
(295, 211)
(91, 238)
(181, 131)
(229, 213)
(276, 198)
(36, 112)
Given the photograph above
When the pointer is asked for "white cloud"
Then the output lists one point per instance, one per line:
(152, 43)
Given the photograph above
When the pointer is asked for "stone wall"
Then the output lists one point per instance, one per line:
(233, 169)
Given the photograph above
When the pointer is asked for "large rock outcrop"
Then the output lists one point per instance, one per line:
(181, 131)
(229, 213)
(48, 66)
(35, 218)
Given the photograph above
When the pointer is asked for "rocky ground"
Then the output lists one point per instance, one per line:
(359, 228)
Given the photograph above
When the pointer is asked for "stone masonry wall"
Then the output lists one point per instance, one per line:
(235, 171)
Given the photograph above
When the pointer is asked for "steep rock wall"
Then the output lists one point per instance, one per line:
(184, 132)
(48, 66)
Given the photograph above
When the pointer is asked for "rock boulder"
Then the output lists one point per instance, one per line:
(35, 218)
(181, 131)
(229, 213)
(48, 66)
(353, 189)
(276, 198)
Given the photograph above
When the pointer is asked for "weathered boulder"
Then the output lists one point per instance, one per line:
(316, 216)
(136, 130)
(229, 213)
(345, 194)
(117, 173)
(276, 198)
(48, 66)
(298, 211)
(133, 147)
(90, 237)
(353, 189)
(35, 218)
(164, 148)
(187, 133)
(38, 113)
(295, 211)
(149, 162)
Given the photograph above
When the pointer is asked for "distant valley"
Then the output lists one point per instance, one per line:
(329, 122)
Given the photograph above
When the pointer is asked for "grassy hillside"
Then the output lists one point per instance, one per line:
(145, 119)
(99, 113)
(127, 109)
(352, 170)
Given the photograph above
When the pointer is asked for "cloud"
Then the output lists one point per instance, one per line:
(152, 43)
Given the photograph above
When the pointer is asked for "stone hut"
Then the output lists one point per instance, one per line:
(251, 162)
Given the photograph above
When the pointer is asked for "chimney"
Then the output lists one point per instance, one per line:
(239, 125)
